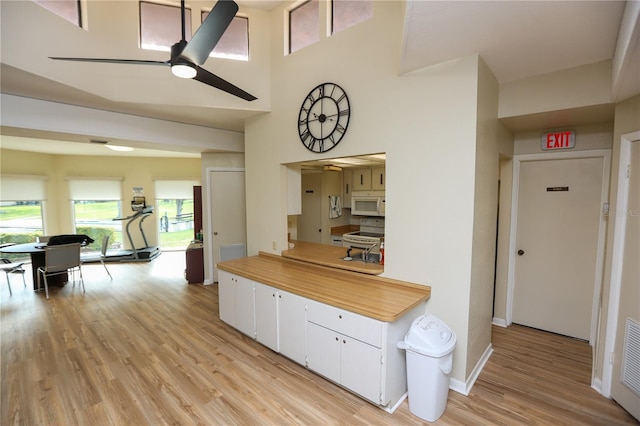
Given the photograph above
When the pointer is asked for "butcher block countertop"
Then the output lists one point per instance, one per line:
(332, 256)
(380, 298)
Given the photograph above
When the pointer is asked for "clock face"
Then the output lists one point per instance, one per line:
(324, 117)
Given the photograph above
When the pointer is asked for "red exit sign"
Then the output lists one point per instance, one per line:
(558, 140)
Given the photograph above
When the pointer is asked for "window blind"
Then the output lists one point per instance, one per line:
(175, 189)
(22, 188)
(95, 189)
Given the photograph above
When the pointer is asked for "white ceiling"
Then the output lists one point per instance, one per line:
(516, 39)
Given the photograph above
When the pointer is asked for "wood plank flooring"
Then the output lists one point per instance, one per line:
(149, 349)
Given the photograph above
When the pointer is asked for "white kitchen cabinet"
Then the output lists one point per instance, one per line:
(292, 326)
(361, 179)
(346, 348)
(357, 352)
(227, 298)
(378, 178)
(267, 316)
(323, 350)
(236, 302)
(280, 321)
(349, 362)
(361, 368)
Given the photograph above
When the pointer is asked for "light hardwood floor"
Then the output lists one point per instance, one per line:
(149, 349)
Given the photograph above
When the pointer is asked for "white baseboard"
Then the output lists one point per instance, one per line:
(500, 322)
(465, 387)
(596, 384)
(397, 404)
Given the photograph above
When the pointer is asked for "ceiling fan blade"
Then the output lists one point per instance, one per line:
(210, 32)
(111, 61)
(213, 80)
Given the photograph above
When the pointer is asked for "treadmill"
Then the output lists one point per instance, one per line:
(143, 254)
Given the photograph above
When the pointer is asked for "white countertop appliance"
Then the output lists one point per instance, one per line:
(371, 232)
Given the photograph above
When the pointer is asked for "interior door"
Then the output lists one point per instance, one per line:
(629, 306)
(228, 215)
(310, 221)
(558, 219)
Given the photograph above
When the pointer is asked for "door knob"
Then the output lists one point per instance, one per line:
(520, 252)
(215, 233)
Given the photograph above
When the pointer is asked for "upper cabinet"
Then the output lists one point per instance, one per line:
(367, 179)
(347, 187)
(377, 178)
(361, 179)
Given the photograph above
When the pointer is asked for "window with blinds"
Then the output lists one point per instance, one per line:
(21, 208)
(95, 205)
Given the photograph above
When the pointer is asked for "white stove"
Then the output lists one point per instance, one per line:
(370, 233)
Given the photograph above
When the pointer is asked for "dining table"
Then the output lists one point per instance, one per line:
(37, 251)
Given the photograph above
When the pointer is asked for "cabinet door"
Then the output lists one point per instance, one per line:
(378, 178)
(361, 179)
(245, 307)
(227, 298)
(323, 351)
(292, 322)
(266, 316)
(347, 187)
(361, 368)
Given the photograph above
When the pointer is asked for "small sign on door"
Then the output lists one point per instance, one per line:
(558, 140)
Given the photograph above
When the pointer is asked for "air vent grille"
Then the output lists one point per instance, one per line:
(631, 356)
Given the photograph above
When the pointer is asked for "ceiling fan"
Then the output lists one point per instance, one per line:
(186, 58)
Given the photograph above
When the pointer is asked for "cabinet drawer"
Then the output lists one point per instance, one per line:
(359, 327)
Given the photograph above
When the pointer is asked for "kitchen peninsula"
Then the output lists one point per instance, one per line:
(341, 324)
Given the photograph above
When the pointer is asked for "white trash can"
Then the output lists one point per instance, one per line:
(429, 344)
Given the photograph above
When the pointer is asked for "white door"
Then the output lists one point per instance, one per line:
(558, 220)
(629, 306)
(310, 221)
(228, 215)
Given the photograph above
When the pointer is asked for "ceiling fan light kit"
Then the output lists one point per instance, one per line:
(183, 70)
(186, 57)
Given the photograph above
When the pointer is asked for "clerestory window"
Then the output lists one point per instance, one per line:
(304, 25)
(347, 13)
(161, 28)
(234, 43)
(67, 9)
(161, 25)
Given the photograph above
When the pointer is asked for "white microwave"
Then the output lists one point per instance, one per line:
(367, 203)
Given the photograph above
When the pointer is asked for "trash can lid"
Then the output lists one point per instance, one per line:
(428, 335)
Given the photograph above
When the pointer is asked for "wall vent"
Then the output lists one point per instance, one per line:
(630, 376)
